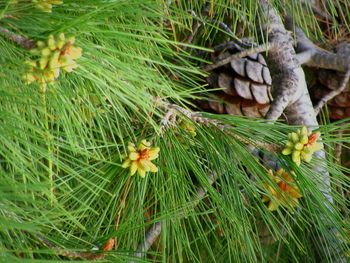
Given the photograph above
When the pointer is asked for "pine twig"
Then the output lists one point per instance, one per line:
(81, 254)
(311, 55)
(22, 41)
(333, 93)
(338, 148)
(195, 27)
(167, 121)
(292, 96)
(198, 118)
(154, 231)
(150, 237)
(244, 53)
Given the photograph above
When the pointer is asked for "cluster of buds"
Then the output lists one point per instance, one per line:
(57, 53)
(139, 158)
(46, 5)
(283, 192)
(302, 145)
(188, 127)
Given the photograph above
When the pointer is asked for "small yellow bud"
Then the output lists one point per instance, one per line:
(45, 52)
(54, 63)
(51, 42)
(71, 40)
(287, 151)
(43, 62)
(40, 44)
(35, 51)
(304, 139)
(61, 37)
(290, 144)
(60, 43)
(30, 63)
(29, 78)
(298, 146)
(294, 137)
(304, 131)
(296, 157)
(306, 157)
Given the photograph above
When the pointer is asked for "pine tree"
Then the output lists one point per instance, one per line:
(106, 154)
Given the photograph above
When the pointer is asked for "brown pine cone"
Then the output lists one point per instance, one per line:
(328, 80)
(242, 87)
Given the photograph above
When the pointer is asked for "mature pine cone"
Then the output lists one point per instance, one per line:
(243, 86)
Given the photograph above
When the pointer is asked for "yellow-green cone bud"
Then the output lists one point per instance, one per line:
(43, 62)
(51, 43)
(298, 146)
(45, 52)
(60, 44)
(35, 51)
(306, 157)
(290, 144)
(304, 131)
(287, 151)
(71, 40)
(40, 44)
(296, 157)
(307, 150)
(294, 137)
(54, 63)
(304, 139)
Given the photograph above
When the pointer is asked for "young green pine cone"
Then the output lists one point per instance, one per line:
(302, 145)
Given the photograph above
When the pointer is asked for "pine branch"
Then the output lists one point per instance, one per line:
(81, 254)
(198, 118)
(311, 55)
(22, 41)
(195, 27)
(291, 95)
(333, 93)
(155, 230)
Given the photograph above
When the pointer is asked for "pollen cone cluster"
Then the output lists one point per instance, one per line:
(57, 53)
(302, 145)
(284, 191)
(139, 158)
(189, 127)
(46, 5)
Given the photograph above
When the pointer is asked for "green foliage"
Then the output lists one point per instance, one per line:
(61, 179)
